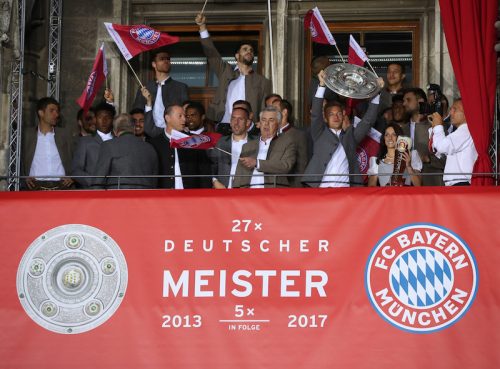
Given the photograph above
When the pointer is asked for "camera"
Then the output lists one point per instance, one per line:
(436, 106)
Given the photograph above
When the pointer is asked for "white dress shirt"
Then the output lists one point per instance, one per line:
(235, 90)
(105, 136)
(460, 153)
(338, 164)
(46, 161)
(177, 168)
(257, 176)
(236, 147)
(158, 107)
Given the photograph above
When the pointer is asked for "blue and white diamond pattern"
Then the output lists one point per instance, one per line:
(421, 277)
(145, 33)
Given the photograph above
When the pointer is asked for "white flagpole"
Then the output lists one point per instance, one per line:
(373, 70)
(271, 41)
(341, 57)
(204, 5)
(133, 71)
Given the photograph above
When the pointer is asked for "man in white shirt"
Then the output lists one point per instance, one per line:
(240, 83)
(47, 149)
(334, 151)
(223, 164)
(457, 146)
(271, 154)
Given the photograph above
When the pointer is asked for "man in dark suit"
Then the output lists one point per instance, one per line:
(171, 92)
(418, 130)
(179, 162)
(87, 150)
(123, 156)
(334, 157)
(223, 164)
(47, 149)
(262, 159)
(240, 83)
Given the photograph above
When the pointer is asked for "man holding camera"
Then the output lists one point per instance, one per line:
(457, 146)
(415, 103)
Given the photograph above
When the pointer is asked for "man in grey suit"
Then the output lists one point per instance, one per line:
(271, 154)
(125, 155)
(300, 139)
(47, 149)
(223, 164)
(163, 91)
(87, 149)
(334, 149)
(240, 83)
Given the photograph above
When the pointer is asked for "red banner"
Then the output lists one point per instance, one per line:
(251, 278)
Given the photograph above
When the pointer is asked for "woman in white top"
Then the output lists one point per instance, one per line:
(382, 166)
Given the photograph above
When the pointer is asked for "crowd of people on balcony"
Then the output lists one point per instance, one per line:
(261, 145)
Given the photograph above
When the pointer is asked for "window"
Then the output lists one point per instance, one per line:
(189, 64)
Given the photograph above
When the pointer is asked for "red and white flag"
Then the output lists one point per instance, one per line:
(367, 148)
(202, 141)
(356, 54)
(94, 83)
(317, 25)
(133, 40)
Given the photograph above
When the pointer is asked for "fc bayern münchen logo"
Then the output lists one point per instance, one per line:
(421, 278)
(362, 159)
(145, 35)
(195, 141)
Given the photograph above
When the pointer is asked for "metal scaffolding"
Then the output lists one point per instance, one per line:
(16, 104)
(55, 21)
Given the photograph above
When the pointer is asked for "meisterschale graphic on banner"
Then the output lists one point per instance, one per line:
(291, 279)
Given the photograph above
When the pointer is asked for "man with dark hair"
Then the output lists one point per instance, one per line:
(398, 110)
(272, 99)
(47, 149)
(240, 83)
(137, 119)
(87, 149)
(334, 157)
(163, 91)
(224, 165)
(195, 117)
(254, 128)
(271, 154)
(418, 130)
(126, 155)
(298, 137)
(188, 163)
(395, 77)
(86, 124)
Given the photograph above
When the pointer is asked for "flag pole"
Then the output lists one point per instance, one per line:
(373, 70)
(224, 151)
(343, 61)
(271, 42)
(132, 69)
(204, 5)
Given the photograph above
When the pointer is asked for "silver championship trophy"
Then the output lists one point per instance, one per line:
(352, 81)
(403, 145)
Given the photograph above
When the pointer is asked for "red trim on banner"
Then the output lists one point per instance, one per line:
(295, 278)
